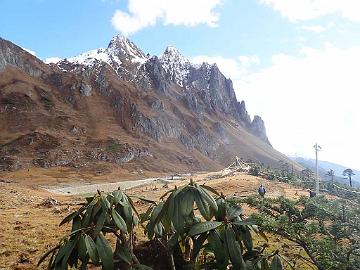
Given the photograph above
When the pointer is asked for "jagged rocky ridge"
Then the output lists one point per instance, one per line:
(204, 87)
(161, 109)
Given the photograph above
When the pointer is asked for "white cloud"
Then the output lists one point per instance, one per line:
(145, 13)
(309, 98)
(52, 60)
(29, 51)
(301, 10)
(232, 68)
(314, 28)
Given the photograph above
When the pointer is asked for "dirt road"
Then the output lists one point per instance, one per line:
(73, 189)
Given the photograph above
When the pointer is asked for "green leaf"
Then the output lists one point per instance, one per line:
(100, 223)
(132, 205)
(96, 209)
(76, 224)
(219, 251)
(146, 216)
(234, 249)
(158, 229)
(105, 252)
(177, 219)
(61, 253)
(124, 254)
(173, 240)
(118, 196)
(187, 203)
(245, 222)
(64, 253)
(127, 212)
(210, 189)
(71, 255)
(221, 213)
(87, 217)
(91, 249)
(170, 203)
(142, 267)
(154, 219)
(208, 198)
(119, 221)
(72, 215)
(166, 193)
(247, 239)
(198, 244)
(82, 248)
(203, 207)
(202, 227)
(276, 263)
(234, 211)
(155, 213)
(104, 202)
(47, 254)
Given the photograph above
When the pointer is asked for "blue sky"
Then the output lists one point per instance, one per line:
(289, 59)
(65, 28)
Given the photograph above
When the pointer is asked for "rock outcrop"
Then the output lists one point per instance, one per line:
(257, 127)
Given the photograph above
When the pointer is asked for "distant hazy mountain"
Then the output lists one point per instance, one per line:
(325, 166)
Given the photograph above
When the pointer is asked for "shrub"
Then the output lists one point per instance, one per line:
(197, 231)
(254, 170)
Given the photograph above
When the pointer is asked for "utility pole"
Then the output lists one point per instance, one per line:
(317, 187)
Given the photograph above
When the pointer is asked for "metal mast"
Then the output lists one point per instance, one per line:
(317, 187)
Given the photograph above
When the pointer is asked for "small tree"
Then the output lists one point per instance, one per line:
(331, 174)
(328, 231)
(200, 232)
(255, 170)
(102, 214)
(307, 174)
(349, 173)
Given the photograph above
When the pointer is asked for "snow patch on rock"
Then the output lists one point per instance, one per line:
(176, 65)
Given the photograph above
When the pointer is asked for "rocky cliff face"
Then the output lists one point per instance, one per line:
(257, 127)
(160, 110)
(203, 88)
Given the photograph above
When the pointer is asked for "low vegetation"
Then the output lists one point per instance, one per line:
(196, 231)
(327, 230)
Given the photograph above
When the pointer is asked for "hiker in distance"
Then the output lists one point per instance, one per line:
(312, 194)
(262, 191)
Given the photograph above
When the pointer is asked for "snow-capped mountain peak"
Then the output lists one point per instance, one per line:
(123, 48)
(175, 64)
(171, 54)
(89, 58)
(119, 50)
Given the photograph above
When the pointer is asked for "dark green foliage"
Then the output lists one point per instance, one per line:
(102, 214)
(113, 146)
(200, 231)
(254, 170)
(327, 230)
(197, 230)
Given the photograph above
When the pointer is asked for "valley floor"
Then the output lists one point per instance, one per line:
(29, 227)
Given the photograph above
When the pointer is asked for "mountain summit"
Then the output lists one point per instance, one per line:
(123, 48)
(117, 106)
